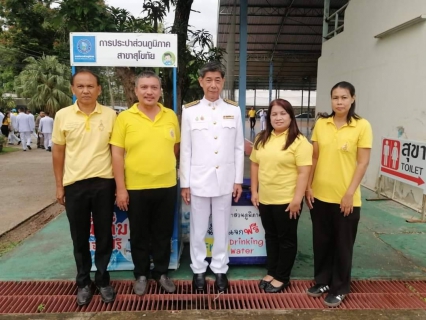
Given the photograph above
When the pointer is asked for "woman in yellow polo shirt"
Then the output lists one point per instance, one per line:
(342, 143)
(281, 160)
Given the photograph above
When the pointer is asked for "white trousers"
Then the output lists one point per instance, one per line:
(47, 140)
(262, 124)
(13, 137)
(220, 208)
(26, 139)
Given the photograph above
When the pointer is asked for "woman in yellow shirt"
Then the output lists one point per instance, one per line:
(342, 143)
(280, 163)
(5, 126)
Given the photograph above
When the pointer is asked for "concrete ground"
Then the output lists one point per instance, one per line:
(27, 185)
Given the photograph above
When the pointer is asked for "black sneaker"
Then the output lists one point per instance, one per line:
(317, 290)
(333, 301)
(29, 147)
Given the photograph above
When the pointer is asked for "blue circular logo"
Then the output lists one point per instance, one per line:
(84, 46)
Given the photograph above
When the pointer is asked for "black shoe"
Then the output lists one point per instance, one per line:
(199, 281)
(29, 147)
(317, 290)
(107, 294)
(49, 149)
(19, 142)
(84, 295)
(38, 147)
(333, 300)
(263, 284)
(271, 289)
(140, 285)
(221, 282)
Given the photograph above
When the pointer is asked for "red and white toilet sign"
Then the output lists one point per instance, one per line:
(404, 160)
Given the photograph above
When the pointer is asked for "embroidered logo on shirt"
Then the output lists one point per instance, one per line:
(228, 117)
(345, 147)
(101, 126)
(172, 133)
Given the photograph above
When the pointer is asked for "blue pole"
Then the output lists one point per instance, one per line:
(271, 79)
(243, 60)
(175, 90)
(73, 73)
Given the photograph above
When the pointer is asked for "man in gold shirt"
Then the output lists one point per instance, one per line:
(84, 180)
(145, 142)
(252, 117)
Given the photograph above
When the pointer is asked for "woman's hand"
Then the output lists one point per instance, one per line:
(347, 204)
(122, 199)
(309, 198)
(294, 209)
(255, 199)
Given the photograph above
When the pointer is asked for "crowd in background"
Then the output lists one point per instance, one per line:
(19, 128)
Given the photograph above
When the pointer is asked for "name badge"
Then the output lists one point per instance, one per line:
(228, 117)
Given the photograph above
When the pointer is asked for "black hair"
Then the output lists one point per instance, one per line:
(351, 114)
(293, 130)
(212, 66)
(98, 80)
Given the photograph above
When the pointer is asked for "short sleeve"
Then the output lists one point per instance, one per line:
(58, 135)
(253, 155)
(314, 136)
(303, 153)
(365, 139)
(118, 132)
(177, 129)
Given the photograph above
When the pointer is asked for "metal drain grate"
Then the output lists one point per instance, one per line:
(59, 297)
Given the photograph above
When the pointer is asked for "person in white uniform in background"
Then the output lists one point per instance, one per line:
(25, 126)
(12, 135)
(211, 172)
(46, 128)
(262, 114)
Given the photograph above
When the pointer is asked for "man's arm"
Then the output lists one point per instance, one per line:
(58, 157)
(239, 158)
(122, 197)
(185, 157)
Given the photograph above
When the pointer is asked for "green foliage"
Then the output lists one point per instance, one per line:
(46, 82)
(26, 32)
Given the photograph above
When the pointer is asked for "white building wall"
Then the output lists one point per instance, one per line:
(389, 75)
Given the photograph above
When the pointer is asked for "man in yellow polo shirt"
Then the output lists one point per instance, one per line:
(252, 117)
(145, 142)
(84, 180)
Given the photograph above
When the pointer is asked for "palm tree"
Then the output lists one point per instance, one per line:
(46, 82)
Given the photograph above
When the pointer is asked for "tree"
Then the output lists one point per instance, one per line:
(46, 82)
(25, 31)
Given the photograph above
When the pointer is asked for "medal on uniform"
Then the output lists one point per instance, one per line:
(202, 118)
(196, 119)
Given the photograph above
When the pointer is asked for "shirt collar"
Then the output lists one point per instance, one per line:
(135, 109)
(279, 135)
(211, 103)
(97, 109)
(352, 124)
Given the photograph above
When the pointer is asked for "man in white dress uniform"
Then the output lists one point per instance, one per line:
(46, 128)
(211, 172)
(24, 125)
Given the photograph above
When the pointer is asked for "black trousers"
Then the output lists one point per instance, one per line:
(333, 241)
(281, 240)
(252, 123)
(91, 197)
(151, 214)
(5, 130)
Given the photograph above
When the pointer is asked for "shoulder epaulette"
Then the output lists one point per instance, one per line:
(231, 102)
(193, 103)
